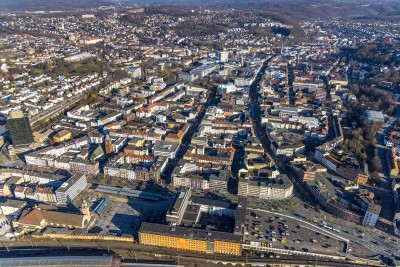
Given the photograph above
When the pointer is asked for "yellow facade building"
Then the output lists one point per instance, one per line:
(62, 135)
(394, 167)
(197, 240)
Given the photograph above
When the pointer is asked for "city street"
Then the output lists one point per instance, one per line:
(387, 211)
(371, 242)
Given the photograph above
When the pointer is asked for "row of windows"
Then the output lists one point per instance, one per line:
(199, 245)
(166, 240)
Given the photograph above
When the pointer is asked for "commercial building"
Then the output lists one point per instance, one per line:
(178, 207)
(20, 129)
(190, 239)
(203, 70)
(187, 227)
(219, 183)
(166, 149)
(189, 174)
(343, 169)
(134, 72)
(79, 57)
(329, 198)
(374, 115)
(223, 56)
(62, 135)
(371, 215)
(266, 188)
(307, 171)
(71, 188)
(12, 207)
(187, 76)
(214, 207)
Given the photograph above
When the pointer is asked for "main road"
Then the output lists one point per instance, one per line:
(256, 115)
(388, 206)
(255, 108)
(212, 100)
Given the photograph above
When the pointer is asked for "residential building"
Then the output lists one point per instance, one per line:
(12, 207)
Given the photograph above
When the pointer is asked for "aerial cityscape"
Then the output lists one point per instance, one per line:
(162, 133)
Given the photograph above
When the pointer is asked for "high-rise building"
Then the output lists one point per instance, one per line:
(71, 188)
(20, 129)
(223, 56)
(108, 145)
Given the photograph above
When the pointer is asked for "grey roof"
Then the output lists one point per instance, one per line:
(94, 261)
(241, 212)
(70, 182)
(184, 232)
(372, 114)
(165, 146)
(14, 203)
(213, 202)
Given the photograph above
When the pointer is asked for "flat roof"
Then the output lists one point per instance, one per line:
(94, 261)
(375, 208)
(179, 196)
(165, 146)
(372, 114)
(13, 203)
(213, 202)
(70, 182)
(282, 181)
(192, 233)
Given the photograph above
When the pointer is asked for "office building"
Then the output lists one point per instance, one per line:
(190, 239)
(371, 215)
(20, 129)
(71, 188)
(223, 56)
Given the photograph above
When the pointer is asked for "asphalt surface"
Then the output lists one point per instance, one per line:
(255, 108)
(388, 206)
(301, 237)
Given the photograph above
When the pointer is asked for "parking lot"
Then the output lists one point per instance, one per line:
(268, 230)
(120, 218)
